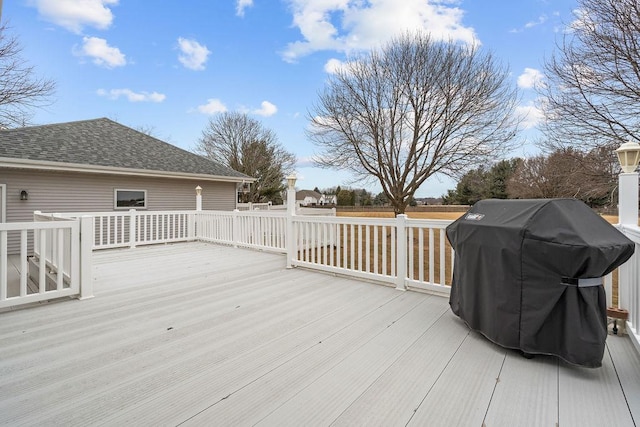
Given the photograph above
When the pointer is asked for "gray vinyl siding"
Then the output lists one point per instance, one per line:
(85, 192)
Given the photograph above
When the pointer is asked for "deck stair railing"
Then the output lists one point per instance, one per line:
(58, 265)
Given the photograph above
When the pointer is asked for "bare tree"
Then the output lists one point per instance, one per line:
(566, 172)
(20, 90)
(591, 97)
(243, 144)
(411, 109)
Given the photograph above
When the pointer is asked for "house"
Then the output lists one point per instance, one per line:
(329, 199)
(313, 198)
(100, 165)
(308, 198)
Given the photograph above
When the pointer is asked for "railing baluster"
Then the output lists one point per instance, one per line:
(376, 230)
(42, 261)
(421, 254)
(60, 259)
(410, 251)
(443, 259)
(432, 258)
(384, 250)
(24, 267)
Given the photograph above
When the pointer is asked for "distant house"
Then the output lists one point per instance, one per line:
(308, 198)
(313, 198)
(101, 165)
(329, 199)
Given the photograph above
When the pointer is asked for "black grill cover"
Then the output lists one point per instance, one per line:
(517, 270)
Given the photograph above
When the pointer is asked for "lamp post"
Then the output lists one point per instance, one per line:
(291, 212)
(198, 198)
(628, 156)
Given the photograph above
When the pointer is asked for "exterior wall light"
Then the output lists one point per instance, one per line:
(24, 195)
(629, 156)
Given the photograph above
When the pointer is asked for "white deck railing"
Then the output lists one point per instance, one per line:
(372, 248)
(135, 228)
(629, 286)
(253, 206)
(404, 252)
(264, 230)
(59, 265)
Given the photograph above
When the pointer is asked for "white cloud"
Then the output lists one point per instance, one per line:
(131, 95)
(541, 20)
(530, 115)
(213, 106)
(241, 5)
(333, 65)
(102, 54)
(194, 55)
(530, 78)
(345, 26)
(76, 14)
(266, 109)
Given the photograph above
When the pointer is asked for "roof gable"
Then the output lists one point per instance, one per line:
(104, 143)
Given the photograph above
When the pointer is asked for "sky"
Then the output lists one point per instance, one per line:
(170, 66)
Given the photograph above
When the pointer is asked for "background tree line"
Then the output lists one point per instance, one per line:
(566, 172)
(358, 197)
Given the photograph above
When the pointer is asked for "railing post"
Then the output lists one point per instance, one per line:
(291, 212)
(193, 225)
(628, 198)
(401, 252)
(236, 227)
(132, 228)
(86, 254)
(627, 215)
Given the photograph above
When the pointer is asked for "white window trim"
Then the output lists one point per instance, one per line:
(121, 208)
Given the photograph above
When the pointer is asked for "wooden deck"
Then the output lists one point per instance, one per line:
(200, 334)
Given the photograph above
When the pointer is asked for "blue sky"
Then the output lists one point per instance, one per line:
(171, 65)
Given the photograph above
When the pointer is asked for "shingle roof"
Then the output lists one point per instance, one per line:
(107, 144)
(300, 195)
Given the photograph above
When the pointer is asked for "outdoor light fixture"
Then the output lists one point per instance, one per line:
(245, 187)
(198, 191)
(24, 195)
(291, 182)
(629, 156)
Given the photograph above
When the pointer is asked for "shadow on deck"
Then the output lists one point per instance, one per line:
(210, 335)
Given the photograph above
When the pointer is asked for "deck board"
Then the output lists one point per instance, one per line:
(584, 393)
(627, 363)
(210, 335)
(462, 392)
(526, 394)
(400, 390)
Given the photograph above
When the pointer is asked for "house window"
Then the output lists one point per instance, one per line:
(127, 199)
